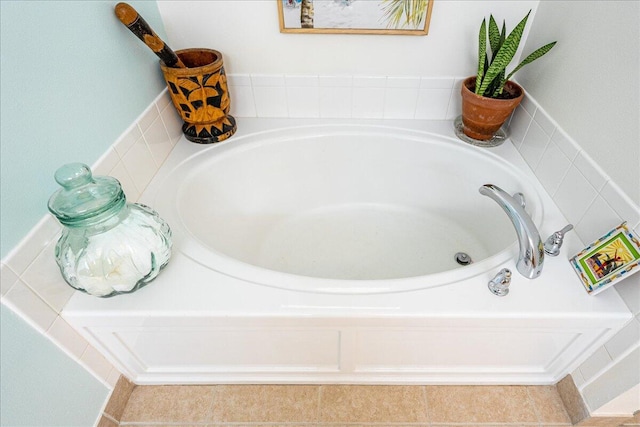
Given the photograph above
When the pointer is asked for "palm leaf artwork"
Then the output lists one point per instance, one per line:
(306, 13)
(404, 13)
(491, 77)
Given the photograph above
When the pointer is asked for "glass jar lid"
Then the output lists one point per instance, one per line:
(83, 196)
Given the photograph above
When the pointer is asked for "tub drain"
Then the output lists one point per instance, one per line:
(463, 259)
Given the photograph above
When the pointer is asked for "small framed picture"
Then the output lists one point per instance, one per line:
(611, 258)
(396, 17)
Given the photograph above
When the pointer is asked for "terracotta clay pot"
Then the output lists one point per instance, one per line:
(482, 116)
(201, 96)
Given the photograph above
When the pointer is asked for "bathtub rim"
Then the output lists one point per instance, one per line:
(210, 258)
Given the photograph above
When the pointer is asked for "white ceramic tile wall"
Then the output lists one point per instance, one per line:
(574, 180)
(31, 283)
(594, 204)
(363, 97)
(589, 199)
(622, 376)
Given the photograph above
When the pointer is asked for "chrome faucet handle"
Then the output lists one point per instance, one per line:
(519, 197)
(499, 285)
(554, 242)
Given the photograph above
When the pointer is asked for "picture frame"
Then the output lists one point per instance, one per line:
(611, 258)
(394, 17)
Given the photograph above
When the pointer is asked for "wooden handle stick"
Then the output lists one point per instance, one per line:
(138, 26)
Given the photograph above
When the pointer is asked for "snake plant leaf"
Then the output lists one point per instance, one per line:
(504, 56)
(482, 53)
(494, 36)
(500, 79)
(529, 59)
(503, 33)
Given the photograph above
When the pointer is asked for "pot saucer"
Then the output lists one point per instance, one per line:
(496, 140)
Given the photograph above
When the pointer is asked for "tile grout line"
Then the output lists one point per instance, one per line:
(214, 398)
(534, 406)
(426, 404)
(319, 406)
(110, 418)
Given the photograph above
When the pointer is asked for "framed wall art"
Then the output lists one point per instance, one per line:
(408, 17)
(612, 257)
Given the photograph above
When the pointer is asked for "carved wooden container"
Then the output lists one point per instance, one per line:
(201, 96)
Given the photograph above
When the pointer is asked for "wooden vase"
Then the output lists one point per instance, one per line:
(201, 96)
(482, 117)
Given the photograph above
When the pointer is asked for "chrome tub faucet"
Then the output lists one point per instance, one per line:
(531, 253)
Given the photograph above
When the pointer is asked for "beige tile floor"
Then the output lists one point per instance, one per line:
(342, 406)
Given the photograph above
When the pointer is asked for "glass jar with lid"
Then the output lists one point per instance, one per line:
(108, 246)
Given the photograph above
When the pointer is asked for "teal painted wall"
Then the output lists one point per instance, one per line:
(73, 78)
(40, 385)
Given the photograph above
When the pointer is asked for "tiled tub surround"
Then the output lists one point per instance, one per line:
(31, 285)
(594, 204)
(361, 97)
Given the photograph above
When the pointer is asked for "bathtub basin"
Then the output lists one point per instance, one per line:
(343, 209)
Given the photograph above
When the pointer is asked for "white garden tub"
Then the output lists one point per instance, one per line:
(343, 208)
(316, 252)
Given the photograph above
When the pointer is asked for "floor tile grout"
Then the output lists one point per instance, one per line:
(318, 416)
(426, 403)
(211, 410)
(319, 409)
(533, 405)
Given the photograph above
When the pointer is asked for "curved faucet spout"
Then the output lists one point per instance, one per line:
(531, 257)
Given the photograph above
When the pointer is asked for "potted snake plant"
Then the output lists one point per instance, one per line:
(490, 97)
